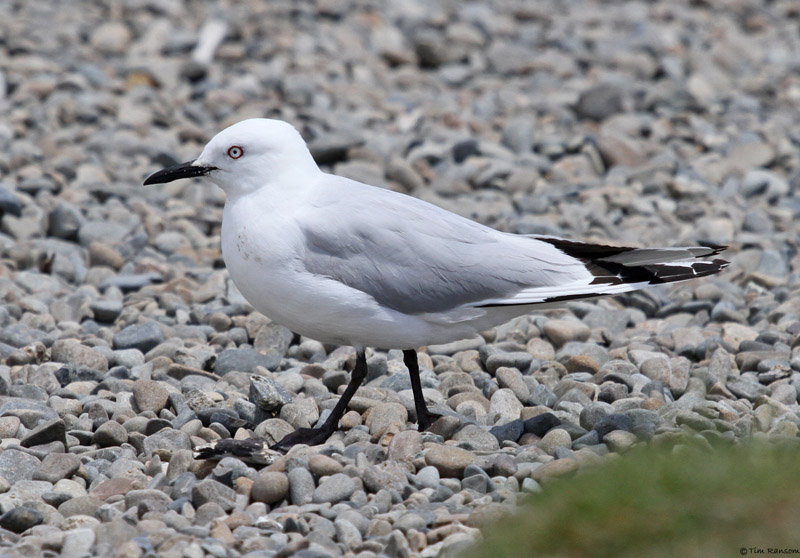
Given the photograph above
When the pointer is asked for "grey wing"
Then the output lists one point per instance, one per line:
(415, 257)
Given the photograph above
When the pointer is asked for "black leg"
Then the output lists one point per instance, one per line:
(424, 417)
(315, 436)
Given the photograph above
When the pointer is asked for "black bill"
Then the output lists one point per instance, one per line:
(184, 170)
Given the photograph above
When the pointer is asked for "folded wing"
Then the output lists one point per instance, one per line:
(417, 258)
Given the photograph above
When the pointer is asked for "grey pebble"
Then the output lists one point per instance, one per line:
(208, 490)
(334, 489)
(139, 336)
(20, 519)
(53, 430)
(166, 439)
(152, 499)
(9, 202)
(244, 360)
(110, 433)
(268, 394)
(301, 486)
(57, 466)
(477, 438)
(600, 102)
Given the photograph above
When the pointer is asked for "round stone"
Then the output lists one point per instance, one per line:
(150, 395)
(270, 487)
(334, 489)
(110, 433)
(324, 466)
(450, 461)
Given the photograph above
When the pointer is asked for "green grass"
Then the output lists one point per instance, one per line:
(656, 503)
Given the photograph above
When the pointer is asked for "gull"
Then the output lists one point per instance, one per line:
(346, 263)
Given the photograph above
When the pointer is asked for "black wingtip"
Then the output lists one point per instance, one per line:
(714, 249)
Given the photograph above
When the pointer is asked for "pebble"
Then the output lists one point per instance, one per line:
(554, 439)
(143, 337)
(20, 519)
(57, 466)
(147, 498)
(167, 439)
(428, 477)
(268, 394)
(477, 438)
(504, 406)
(270, 487)
(150, 395)
(48, 431)
(77, 542)
(541, 424)
(508, 432)
(520, 360)
(110, 37)
(334, 489)
(301, 486)
(512, 379)
(324, 466)
(243, 360)
(600, 102)
(561, 332)
(404, 446)
(450, 461)
(208, 490)
(71, 352)
(614, 421)
(619, 440)
(381, 416)
(556, 468)
(110, 434)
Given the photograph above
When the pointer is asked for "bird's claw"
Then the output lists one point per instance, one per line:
(425, 420)
(307, 436)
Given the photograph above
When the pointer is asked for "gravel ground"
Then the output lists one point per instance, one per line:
(124, 344)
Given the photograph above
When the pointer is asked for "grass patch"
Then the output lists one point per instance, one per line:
(658, 503)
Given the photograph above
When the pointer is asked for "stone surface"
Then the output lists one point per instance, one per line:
(334, 489)
(46, 432)
(244, 360)
(301, 486)
(208, 490)
(150, 395)
(139, 336)
(57, 466)
(167, 439)
(110, 433)
(268, 394)
(385, 414)
(560, 332)
(71, 352)
(20, 519)
(270, 487)
(449, 461)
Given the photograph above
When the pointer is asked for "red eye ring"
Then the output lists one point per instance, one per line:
(235, 151)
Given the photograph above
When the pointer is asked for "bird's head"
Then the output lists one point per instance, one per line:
(247, 156)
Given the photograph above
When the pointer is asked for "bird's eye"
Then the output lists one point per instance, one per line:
(235, 151)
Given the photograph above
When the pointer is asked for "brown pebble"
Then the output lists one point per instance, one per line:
(582, 363)
(103, 254)
(351, 419)
(554, 468)
(324, 466)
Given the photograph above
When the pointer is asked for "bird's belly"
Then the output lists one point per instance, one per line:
(318, 307)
